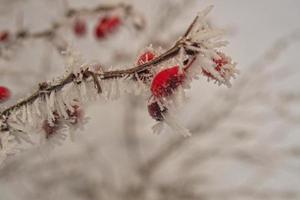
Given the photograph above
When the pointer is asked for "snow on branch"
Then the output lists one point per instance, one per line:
(57, 107)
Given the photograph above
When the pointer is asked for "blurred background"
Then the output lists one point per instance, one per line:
(245, 142)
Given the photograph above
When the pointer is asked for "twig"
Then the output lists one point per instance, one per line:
(50, 33)
(106, 75)
(101, 8)
(172, 52)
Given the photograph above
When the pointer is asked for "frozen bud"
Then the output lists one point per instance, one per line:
(52, 128)
(223, 68)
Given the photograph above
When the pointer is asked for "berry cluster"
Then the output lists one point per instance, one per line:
(164, 83)
(56, 107)
(103, 28)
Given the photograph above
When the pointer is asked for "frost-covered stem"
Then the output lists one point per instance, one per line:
(44, 88)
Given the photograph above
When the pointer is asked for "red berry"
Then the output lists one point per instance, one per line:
(106, 25)
(99, 32)
(145, 57)
(101, 28)
(156, 111)
(113, 23)
(4, 94)
(4, 36)
(79, 27)
(166, 81)
(145, 75)
(223, 60)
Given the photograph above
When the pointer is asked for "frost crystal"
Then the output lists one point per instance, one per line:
(8, 145)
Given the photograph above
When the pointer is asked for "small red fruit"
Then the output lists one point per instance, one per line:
(79, 27)
(146, 75)
(4, 94)
(106, 25)
(145, 57)
(156, 111)
(166, 81)
(223, 60)
(4, 36)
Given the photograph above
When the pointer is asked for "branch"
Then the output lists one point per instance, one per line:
(69, 14)
(45, 88)
(57, 105)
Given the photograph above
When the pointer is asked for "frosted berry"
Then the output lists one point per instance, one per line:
(145, 75)
(223, 60)
(79, 27)
(4, 36)
(145, 57)
(166, 81)
(4, 94)
(106, 25)
(156, 111)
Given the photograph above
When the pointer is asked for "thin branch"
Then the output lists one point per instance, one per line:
(97, 9)
(50, 33)
(47, 88)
